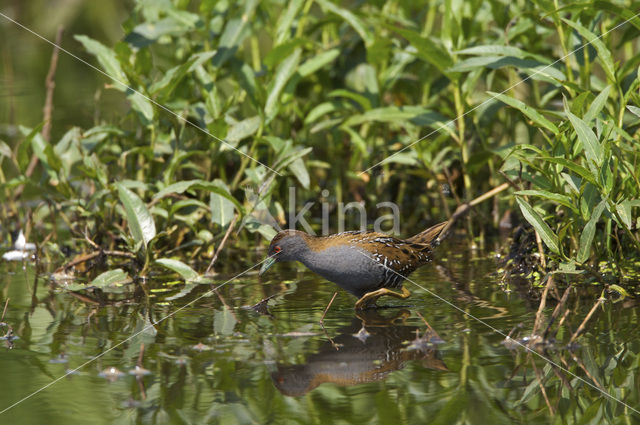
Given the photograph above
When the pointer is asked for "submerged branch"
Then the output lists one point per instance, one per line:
(583, 325)
(543, 303)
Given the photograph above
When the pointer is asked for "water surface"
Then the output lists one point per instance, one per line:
(216, 361)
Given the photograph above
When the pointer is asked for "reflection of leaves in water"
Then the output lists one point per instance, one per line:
(183, 292)
(110, 281)
(224, 322)
(147, 336)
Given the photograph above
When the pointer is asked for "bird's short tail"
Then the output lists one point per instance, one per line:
(430, 235)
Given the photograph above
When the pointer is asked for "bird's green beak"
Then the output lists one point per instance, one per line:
(267, 263)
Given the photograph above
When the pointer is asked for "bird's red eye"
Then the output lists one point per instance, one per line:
(277, 249)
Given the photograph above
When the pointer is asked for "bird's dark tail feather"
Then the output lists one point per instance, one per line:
(430, 235)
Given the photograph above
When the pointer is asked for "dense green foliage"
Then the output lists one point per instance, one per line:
(207, 112)
(318, 91)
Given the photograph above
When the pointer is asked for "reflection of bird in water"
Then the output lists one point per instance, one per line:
(356, 356)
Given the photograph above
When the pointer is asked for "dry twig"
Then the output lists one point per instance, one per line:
(4, 311)
(542, 389)
(139, 362)
(556, 311)
(327, 309)
(462, 209)
(224, 240)
(48, 107)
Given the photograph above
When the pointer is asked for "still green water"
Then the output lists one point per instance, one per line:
(216, 361)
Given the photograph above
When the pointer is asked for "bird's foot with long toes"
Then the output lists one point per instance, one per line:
(369, 299)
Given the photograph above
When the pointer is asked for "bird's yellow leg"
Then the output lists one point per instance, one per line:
(370, 298)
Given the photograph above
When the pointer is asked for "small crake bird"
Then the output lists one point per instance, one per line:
(367, 264)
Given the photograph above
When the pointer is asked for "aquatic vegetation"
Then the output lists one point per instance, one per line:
(427, 105)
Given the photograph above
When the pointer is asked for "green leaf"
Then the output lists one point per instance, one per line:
(186, 272)
(606, 59)
(299, 170)
(363, 78)
(110, 278)
(212, 187)
(5, 150)
(285, 71)
(568, 268)
(528, 111)
(576, 168)
(634, 110)
(351, 19)
(243, 129)
(597, 105)
(427, 49)
(68, 149)
(500, 50)
(247, 80)
(142, 105)
(282, 51)
(586, 238)
(267, 231)
(222, 208)
(320, 110)
(592, 147)
(417, 115)
(573, 181)
(620, 290)
(555, 197)
(235, 32)
(177, 23)
(588, 198)
(321, 59)
(363, 101)
(549, 238)
(190, 204)
(356, 139)
(253, 225)
(139, 219)
(408, 157)
(200, 59)
(471, 64)
(172, 78)
(45, 153)
(624, 212)
(23, 156)
(536, 70)
(178, 188)
(107, 59)
(283, 29)
(289, 158)
(492, 49)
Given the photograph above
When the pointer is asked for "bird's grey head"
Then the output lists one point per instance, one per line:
(287, 245)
